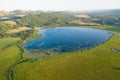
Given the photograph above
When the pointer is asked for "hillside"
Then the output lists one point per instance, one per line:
(4, 13)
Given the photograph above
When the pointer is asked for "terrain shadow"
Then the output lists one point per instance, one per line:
(115, 68)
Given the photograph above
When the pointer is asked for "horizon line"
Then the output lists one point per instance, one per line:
(59, 10)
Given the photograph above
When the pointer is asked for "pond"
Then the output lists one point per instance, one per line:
(67, 39)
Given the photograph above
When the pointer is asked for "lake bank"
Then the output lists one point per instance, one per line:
(66, 39)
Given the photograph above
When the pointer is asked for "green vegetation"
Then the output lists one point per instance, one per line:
(110, 17)
(99, 63)
(8, 54)
(46, 20)
(106, 27)
(11, 52)
(4, 28)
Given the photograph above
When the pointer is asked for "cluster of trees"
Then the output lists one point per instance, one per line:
(24, 34)
(27, 34)
(52, 19)
(106, 18)
(46, 19)
(4, 28)
(55, 19)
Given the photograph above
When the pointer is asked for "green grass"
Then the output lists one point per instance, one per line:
(8, 55)
(7, 41)
(99, 63)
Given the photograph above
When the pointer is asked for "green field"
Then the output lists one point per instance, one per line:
(99, 63)
(8, 54)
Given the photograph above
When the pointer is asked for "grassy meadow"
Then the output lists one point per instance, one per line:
(8, 54)
(98, 63)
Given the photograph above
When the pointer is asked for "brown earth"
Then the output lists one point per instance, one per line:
(12, 23)
(18, 29)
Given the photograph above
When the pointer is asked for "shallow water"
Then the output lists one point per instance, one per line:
(67, 39)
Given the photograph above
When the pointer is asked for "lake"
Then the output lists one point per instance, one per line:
(67, 39)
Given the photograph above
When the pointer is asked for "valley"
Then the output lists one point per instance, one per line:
(101, 62)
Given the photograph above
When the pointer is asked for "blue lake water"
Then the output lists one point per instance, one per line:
(67, 39)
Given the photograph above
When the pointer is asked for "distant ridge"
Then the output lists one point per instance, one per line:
(4, 13)
(24, 12)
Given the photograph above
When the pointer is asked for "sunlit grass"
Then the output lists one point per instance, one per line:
(99, 63)
(8, 55)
